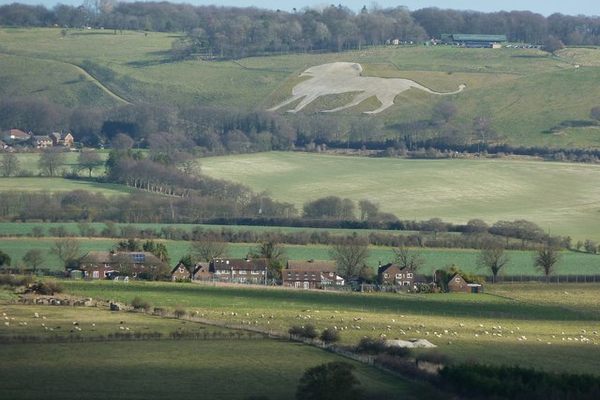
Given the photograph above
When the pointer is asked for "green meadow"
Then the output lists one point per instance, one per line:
(561, 197)
(224, 364)
(524, 92)
(521, 262)
(532, 331)
(52, 185)
(28, 163)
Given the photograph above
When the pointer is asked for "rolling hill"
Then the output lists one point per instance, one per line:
(524, 92)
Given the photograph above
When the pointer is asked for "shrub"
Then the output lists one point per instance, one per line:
(307, 331)
(368, 345)
(140, 304)
(180, 312)
(330, 335)
(45, 288)
(433, 357)
(15, 280)
(398, 351)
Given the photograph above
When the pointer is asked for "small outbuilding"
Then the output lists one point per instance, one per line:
(458, 284)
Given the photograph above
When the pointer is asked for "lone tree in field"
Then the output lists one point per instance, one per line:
(209, 247)
(331, 381)
(350, 255)
(546, 259)
(410, 260)
(9, 164)
(50, 160)
(89, 159)
(33, 258)
(492, 257)
(552, 44)
(67, 250)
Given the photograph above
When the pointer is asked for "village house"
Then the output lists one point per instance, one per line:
(42, 142)
(65, 139)
(311, 274)
(109, 264)
(15, 136)
(244, 270)
(394, 275)
(180, 273)
(458, 284)
(202, 272)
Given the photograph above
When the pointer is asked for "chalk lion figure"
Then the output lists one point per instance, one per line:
(345, 77)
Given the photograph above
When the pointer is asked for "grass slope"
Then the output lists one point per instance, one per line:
(464, 326)
(562, 198)
(60, 185)
(183, 369)
(521, 262)
(524, 92)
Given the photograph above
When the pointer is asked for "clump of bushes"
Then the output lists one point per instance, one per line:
(330, 335)
(179, 312)
(140, 304)
(45, 288)
(369, 345)
(306, 331)
(15, 280)
(433, 357)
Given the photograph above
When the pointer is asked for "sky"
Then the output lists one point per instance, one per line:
(544, 7)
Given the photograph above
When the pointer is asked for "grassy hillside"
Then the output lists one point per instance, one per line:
(158, 369)
(562, 198)
(521, 262)
(464, 326)
(524, 92)
(60, 185)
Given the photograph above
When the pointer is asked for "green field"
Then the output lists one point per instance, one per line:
(60, 185)
(524, 92)
(534, 331)
(562, 198)
(521, 262)
(150, 369)
(28, 163)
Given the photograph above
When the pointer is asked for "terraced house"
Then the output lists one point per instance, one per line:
(244, 270)
(311, 274)
(110, 264)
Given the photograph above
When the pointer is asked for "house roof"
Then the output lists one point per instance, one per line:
(201, 266)
(385, 268)
(18, 134)
(298, 275)
(312, 265)
(107, 257)
(239, 263)
(179, 265)
(42, 137)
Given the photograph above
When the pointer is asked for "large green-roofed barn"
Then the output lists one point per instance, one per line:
(471, 40)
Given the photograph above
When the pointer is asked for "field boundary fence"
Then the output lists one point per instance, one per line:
(544, 279)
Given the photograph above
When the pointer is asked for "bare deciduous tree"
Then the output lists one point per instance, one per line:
(208, 248)
(50, 160)
(9, 164)
(546, 258)
(89, 159)
(350, 255)
(493, 258)
(67, 250)
(33, 258)
(407, 259)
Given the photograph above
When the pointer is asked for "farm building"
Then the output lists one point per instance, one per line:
(108, 264)
(311, 274)
(394, 275)
(458, 284)
(244, 270)
(474, 41)
(16, 136)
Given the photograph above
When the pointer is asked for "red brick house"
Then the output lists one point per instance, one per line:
(180, 273)
(311, 274)
(202, 272)
(244, 270)
(65, 139)
(394, 275)
(458, 284)
(109, 264)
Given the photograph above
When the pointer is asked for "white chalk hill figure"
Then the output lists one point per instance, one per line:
(344, 77)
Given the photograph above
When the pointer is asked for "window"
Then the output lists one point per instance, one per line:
(398, 276)
(405, 283)
(386, 275)
(96, 274)
(409, 275)
(242, 272)
(138, 257)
